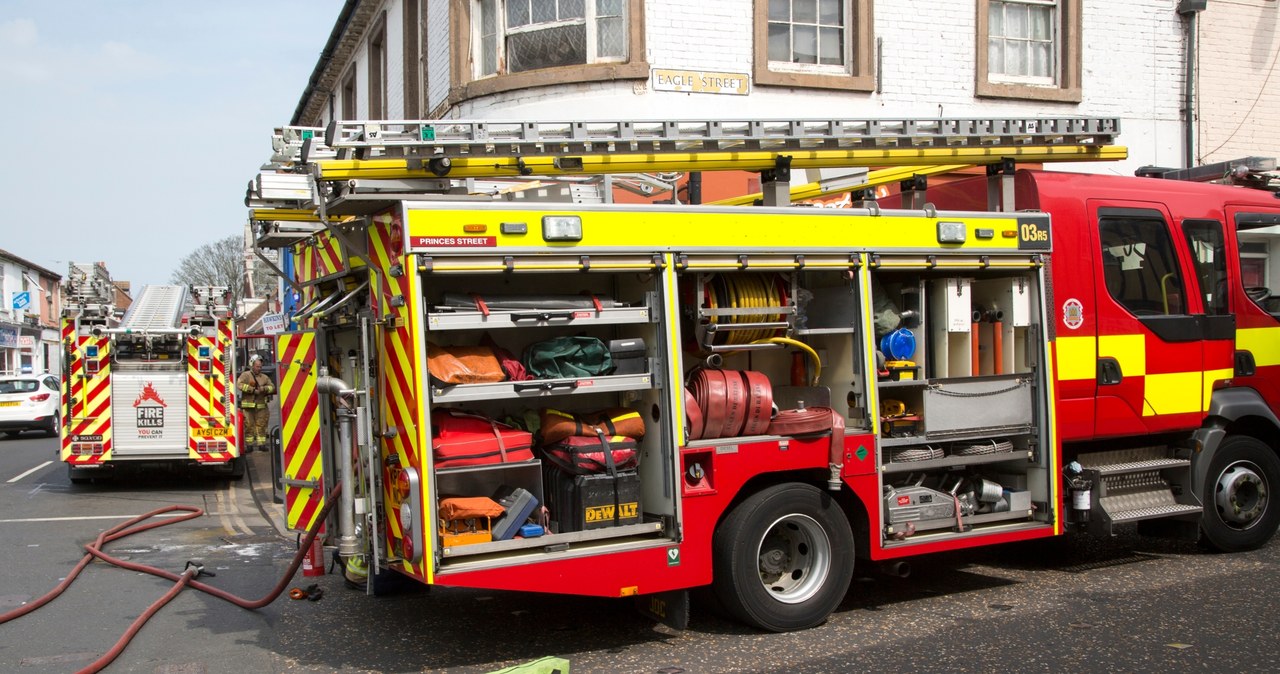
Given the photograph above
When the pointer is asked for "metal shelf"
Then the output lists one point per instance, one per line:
(536, 318)
(540, 388)
(953, 461)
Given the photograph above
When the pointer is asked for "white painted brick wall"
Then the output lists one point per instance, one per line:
(1238, 51)
(396, 31)
(1132, 69)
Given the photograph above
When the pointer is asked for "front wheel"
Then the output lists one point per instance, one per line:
(1239, 513)
(783, 558)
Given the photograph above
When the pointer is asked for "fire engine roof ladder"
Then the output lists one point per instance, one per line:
(404, 150)
(1256, 172)
(156, 308)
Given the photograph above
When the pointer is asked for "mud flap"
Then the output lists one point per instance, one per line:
(669, 608)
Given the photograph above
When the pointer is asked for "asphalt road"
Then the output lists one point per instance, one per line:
(1124, 604)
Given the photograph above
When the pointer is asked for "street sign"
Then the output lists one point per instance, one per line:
(273, 324)
(21, 300)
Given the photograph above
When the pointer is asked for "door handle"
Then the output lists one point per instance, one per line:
(1109, 373)
(1245, 365)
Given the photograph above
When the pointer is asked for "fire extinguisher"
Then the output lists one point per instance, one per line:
(313, 562)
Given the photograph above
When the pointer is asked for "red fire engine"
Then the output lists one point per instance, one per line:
(520, 385)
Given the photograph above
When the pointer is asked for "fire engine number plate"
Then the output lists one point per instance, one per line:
(216, 432)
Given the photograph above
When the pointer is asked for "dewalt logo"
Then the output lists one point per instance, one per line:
(605, 513)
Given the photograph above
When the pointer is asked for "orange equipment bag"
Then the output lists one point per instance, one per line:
(556, 425)
(463, 364)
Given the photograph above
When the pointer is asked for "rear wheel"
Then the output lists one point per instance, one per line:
(54, 426)
(783, 558)
(1239, 512)
(12, 434)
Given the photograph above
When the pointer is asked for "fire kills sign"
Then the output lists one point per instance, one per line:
(150, 407)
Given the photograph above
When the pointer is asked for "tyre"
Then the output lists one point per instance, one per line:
(237, 468)
(783, 558)
(1239, 513)
(12, 434)
(76, 476)
(54, 427)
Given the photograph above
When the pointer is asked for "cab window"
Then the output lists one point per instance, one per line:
(1208, 254)
(1139, 263)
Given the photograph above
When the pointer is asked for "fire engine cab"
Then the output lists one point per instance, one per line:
(151, 388)
(521, 385)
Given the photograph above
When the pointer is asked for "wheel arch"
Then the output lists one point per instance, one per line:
(855, 511)
(1233, 411)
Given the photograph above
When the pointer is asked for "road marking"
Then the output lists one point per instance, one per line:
(232, 523)
(83, 518)
(30, 471)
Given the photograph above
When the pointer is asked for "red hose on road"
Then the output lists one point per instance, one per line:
(184, 579)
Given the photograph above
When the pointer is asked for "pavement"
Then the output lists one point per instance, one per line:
(260, 481)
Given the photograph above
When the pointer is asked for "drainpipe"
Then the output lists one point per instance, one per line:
(347, 542)
(1190, 9)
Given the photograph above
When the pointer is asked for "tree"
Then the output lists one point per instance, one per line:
(221, 263)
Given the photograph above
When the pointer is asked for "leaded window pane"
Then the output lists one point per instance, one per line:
(517, 13)
(611, 37)
(543, 10)
(547, 48)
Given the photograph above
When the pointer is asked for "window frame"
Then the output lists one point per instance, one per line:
(859, 72)
(377, 50)
(350, 106)
(466, 85)
(1068, 54)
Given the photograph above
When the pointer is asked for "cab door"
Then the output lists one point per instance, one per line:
(1255, 299)
(1151, 325)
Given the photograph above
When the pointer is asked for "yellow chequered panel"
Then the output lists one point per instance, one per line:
(1263, 343)
(1174, 393)
(1077, 358)
(1129, 350)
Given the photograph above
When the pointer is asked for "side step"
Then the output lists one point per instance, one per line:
(1132, 485)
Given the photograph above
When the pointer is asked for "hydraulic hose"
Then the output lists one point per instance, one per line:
(181, 580)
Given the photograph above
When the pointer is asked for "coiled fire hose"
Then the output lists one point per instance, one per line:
(730, 403)
(181, 580)
(807, 421)
(746, 291)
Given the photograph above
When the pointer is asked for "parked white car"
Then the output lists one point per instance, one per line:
(29, 402)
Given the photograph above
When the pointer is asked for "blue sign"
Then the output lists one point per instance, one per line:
(21, 300)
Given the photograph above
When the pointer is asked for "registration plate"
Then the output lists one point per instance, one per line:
(10, 403)
(216, 432)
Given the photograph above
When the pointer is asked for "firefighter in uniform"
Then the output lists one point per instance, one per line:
(255, 391)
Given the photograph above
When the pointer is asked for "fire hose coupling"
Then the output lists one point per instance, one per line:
(199, 569)
(311, 592)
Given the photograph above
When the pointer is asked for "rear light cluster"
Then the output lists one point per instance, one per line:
(86, 448)
(40, 397)
(208, 446)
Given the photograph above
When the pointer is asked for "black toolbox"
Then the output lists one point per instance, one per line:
(584, 502)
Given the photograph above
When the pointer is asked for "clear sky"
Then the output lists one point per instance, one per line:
(131, 127)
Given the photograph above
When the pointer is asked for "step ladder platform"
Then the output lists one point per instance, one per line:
(1139, 466)
(1157, 512)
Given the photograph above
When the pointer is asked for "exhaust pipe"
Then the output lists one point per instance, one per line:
(897, 569)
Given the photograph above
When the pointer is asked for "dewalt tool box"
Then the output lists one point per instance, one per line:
(584, 502)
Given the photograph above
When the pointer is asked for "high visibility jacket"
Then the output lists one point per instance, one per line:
(255, 391)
